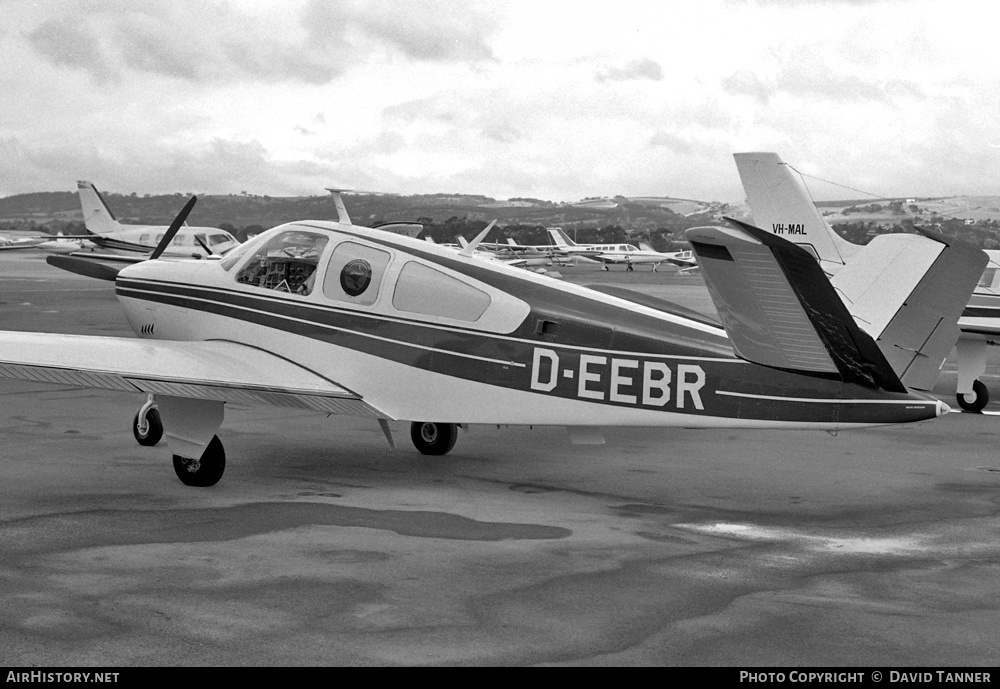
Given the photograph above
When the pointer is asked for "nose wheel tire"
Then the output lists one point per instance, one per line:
(149, 430)
(977, 400)
(433, 438)
(204, 471)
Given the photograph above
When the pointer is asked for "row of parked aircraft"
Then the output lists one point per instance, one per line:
(343, 319)
(131, 242)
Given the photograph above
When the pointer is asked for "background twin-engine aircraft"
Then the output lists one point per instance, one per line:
(781, 204)
(343, 319)
(104, 231)
(621, 254)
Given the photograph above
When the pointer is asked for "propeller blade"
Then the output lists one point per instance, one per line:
(172, 230)
(82, 266)
(203, 246)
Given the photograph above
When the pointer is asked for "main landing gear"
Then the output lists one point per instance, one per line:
(433, 438)
(977, 399)
(204, 471)
(199, 419)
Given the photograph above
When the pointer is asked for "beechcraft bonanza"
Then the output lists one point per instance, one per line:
(627, 254)
(781, 204)
(104, 231)
(342, 319)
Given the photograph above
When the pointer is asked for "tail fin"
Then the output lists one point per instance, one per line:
(97, 217)
(780, 310)
(645, 246)
(907, 292)
(902, 289)
(560, 238)
(781, 205)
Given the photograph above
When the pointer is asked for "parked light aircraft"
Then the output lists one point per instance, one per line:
(627, 254)
(106, 232)
(343, 319)
(8, 243)
(781, 204)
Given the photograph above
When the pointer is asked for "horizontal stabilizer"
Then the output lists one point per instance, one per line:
(908, 292)
(780, 310)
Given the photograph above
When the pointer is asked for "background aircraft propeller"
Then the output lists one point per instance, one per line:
(172, 230)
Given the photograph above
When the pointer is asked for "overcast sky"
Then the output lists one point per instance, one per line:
(555, 100)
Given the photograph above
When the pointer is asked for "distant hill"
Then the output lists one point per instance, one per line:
(59, 211)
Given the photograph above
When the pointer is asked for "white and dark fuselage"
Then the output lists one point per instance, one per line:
(422, 333)
(105, 231)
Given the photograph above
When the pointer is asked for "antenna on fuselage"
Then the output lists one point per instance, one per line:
(467, 250)
(342, 217)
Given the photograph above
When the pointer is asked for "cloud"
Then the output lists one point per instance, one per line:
(425, 30)
(200, 43)
(744, 83)
(636, 69)
(672, 142)
(503, 133)
(64, 42)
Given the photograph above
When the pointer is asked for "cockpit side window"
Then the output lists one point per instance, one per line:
(355, 273)
(428, 291)
(987, 278)
(286, 263)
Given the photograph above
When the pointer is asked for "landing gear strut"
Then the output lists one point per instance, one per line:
(147, 426)
(433, 438)
(975, 401)
(204, 471)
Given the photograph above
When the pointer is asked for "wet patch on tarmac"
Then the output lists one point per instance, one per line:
(641, 510)
(107, 527)
(531, 489)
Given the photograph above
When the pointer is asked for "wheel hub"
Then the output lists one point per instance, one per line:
(429, 432)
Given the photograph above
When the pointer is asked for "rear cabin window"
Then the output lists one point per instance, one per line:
(355, 273)
(286, 263)
(987, 279)
(429, 292)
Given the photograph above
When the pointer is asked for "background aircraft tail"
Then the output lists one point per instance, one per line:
(780, 310)
(902, 289)
(97, 217)
(780, 204)
(560, 238)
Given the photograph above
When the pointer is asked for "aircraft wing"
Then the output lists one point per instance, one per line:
(213, 370)
(119, 258)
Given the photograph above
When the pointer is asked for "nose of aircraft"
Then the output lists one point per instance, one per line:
(942, 408)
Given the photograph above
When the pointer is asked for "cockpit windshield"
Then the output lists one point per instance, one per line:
(286, 263)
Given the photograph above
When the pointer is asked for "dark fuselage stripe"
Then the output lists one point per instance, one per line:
(657, 382)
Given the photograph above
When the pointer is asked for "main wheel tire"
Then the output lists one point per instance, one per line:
(977, 400)
(153, 431)
(205, 471)
(433, 438)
